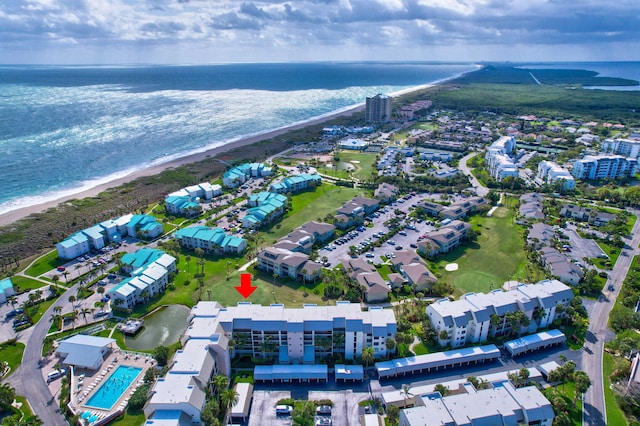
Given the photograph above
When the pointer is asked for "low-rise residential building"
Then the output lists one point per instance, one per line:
(304, 237)
(531, 206)
(354, 211)
(413, 269)
(559, 266)
(265, 207)
(469, 320)
(114, 230)
(604, 167)
(201, 191)
(182, 206)
(552, 174)
(296, 183)
(540, 235)
(6, 289)
(211, 240)
(502, 404)
(386, 192)
(374, 286)
(586, 214)
(236, 176)
(286, 263)
(444, 239)
(149, 270)
(456, 210)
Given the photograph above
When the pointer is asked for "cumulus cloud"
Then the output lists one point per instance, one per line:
(268, 27)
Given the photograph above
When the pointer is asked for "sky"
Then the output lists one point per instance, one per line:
(219, 31)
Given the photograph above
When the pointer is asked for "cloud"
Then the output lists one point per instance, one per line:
(264, 29)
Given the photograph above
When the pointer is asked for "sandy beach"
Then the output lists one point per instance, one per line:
(13, 215)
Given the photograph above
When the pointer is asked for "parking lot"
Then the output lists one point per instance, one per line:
(263, 409)
(405, 239)
(581, 247)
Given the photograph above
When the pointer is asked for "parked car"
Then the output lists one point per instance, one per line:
(323, 410)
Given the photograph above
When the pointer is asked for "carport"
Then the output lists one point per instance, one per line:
(290, 373)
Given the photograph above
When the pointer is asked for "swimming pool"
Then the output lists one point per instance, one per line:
(113, 388)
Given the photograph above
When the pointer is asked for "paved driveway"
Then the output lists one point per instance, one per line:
(582, 247)
(345, 405)
(263, 409)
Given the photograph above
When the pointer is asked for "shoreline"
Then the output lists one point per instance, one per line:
(18, 213)
(11, 216)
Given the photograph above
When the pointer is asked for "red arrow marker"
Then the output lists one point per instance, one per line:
(245, 288)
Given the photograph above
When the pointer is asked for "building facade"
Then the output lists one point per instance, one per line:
(604, 167)
(378, 109)
(551, 173)
(476, 316)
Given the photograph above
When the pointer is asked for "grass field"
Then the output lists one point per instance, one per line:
(362, 162)
(12, 353)
(46, 263)
(497, 256)
(26, 283)
(615, 416)
(310, 205)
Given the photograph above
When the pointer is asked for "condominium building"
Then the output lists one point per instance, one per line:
(626, 147)
(604, 167)
(293, 336)
(6, 289)
(282, 262)
(469, 319)
(149, 271)
(113, 230)
(264, 207)
(238, 175)
(499, 162)
(502, 404)
(296, 183)
(551, 173)
(449, 236)
(203, 191)
(211, 240)
(378, 109)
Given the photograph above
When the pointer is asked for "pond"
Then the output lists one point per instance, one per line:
(163, 327)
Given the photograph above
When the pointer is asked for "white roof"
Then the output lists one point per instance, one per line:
(177, 388)
(83, 351)
(245, 393)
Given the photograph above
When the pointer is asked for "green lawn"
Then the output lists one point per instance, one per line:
(497, 256)
(310, 205)
(26, 283)
(44, 264)
(362, 162)
(567, 392)
(130, 418)
(12, 353)
(611, 251)
(615, 416)
(37, 311)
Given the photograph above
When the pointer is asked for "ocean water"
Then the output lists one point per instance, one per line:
(629, 70)
(67, 129)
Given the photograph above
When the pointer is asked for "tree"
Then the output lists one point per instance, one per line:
(393, 414)
(149, 376)
(582, 382)
(7, 395)
(391, 345)
(84, 312)
(210, 413)
(368, 356)
(220, 382)
(406, 393)
(72, 300)
(229, 398)
(444, 391)
(100, 290)
(161, 355)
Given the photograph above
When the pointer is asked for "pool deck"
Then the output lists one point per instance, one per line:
(84, 383)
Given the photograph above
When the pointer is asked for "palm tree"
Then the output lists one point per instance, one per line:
(65, 274)
(391, 345)
(73, 316)
(368, 356)
(229, 398)
(220, 382)
(72, 300)
(84, 312)
(406, 393)
(582, 382)
(100, 290)
(13, 300)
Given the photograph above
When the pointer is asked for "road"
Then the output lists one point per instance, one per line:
(480, 190)
(594, 410)
(28, 380)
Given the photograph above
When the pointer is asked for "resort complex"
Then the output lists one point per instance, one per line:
(411, 264)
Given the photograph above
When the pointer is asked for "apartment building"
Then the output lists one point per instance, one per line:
(354, 211)
(149, 271)
(502, 404)
(296, 183)
(551, 173)
(604, 167)
(378, 109)
(264, 207)
(211, 240)
(449, 236)
(113, 230)
(236, 176)
(626, 147)
(469, 319)
(304, 237)
(286, 263)
(498, 159)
